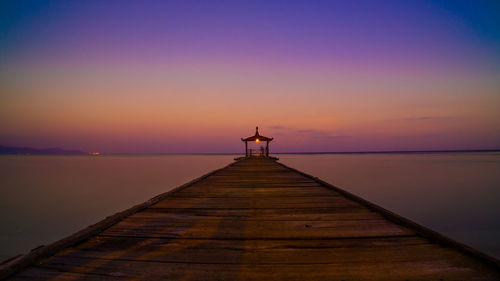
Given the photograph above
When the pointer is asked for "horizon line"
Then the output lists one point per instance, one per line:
(321, 152)
(298, 153)
(238, 153)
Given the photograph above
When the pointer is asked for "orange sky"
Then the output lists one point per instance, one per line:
(84, 79)
(93, 107)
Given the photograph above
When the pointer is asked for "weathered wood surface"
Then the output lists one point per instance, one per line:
(258, 220)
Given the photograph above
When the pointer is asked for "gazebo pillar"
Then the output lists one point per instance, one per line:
(267, 148)
(246, 149)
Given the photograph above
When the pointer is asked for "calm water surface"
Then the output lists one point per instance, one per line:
(45, 198)
(456, 194)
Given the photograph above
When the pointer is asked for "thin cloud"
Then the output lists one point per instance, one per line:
(307, 131)
(428, 118)
(318, 134)
(278, 127)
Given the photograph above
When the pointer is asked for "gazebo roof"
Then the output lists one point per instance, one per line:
(257, 137)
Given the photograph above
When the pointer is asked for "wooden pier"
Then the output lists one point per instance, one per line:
(255, 220)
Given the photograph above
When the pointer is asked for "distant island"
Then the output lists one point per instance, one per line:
(30, 150)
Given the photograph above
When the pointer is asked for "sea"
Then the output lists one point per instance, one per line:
(44, 198)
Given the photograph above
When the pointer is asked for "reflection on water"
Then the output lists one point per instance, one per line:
(456, 194)
(45, 198)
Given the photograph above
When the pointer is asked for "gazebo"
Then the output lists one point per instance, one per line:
(257, 138)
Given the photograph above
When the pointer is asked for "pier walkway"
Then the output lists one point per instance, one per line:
(255, 220)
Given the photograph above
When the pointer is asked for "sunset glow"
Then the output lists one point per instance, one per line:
(196, 76)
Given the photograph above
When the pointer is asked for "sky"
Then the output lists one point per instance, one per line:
(196, 76)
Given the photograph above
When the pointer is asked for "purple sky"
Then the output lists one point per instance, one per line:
(195, 76)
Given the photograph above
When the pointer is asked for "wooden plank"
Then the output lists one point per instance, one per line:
(258, 220)
(227, 192)
(239, 268)
(311, 214)
(259, 229)
(350, 252)
(257, 203)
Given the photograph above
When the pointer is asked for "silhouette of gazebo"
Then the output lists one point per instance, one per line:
(257, 138)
